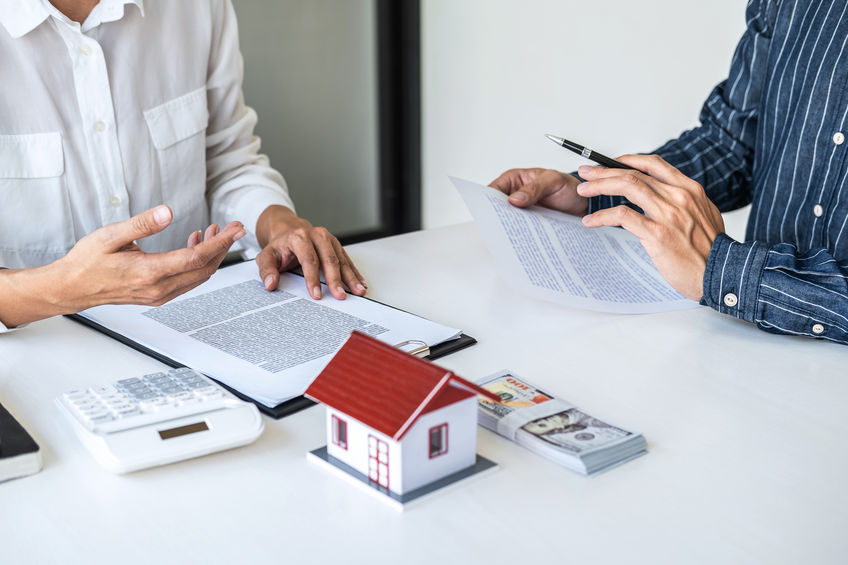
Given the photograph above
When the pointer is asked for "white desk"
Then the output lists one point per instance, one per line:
(746, 433)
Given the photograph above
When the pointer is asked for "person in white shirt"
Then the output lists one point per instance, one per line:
(123, 130)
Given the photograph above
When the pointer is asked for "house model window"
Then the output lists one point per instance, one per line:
(438, 440)
(340, 432)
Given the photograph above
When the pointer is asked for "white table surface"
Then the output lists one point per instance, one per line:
(745, 430)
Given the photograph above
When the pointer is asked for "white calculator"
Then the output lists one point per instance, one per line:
(155, 419)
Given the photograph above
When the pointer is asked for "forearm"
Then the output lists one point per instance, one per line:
(778, 288)
(28, 295)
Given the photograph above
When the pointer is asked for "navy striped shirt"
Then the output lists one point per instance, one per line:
(773, 134)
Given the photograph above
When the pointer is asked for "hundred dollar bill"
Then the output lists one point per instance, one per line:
(563, 433)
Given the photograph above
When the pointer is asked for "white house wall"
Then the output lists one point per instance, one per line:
(418, 468)
(356, 454)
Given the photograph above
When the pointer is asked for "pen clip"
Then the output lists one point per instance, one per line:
(421, 349)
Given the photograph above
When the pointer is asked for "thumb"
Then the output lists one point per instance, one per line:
(528, 194)
(147, 223)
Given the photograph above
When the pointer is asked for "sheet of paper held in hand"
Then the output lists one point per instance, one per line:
(553, 256)
(267, 345)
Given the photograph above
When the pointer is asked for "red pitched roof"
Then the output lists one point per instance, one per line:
(386, 388)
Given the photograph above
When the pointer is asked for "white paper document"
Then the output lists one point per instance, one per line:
(267, 345)
(552, 255)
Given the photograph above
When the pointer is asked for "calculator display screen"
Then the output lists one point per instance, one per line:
(183, 430)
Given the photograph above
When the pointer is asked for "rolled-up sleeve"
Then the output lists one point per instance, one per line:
(241, 183)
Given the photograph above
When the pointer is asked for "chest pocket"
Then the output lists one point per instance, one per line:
(178, 132)
(35, 215)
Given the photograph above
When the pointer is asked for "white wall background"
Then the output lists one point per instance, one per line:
(618, 76)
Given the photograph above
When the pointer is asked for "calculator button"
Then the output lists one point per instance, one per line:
(87, 406)
(127, 382)
(153, 405)
(191, 401)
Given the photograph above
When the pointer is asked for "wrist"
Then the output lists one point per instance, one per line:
(273, 222)
(28, 295)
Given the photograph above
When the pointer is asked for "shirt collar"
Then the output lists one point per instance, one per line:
(21, 17)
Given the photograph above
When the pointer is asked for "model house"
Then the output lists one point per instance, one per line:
(400, 421)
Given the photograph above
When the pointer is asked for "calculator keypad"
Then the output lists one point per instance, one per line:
(138, 401)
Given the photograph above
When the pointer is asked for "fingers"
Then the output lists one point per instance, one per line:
(623, 216)
(351, 275)
(211, 231)
(348, 272)
(651, 165)
(527, 194)
(316, 250)
(330, 261)
(525, 186)
(117, 235)
(269, 264)
(211, 250)
(632, 185)
(509, 181)
(536, 188)
(196, 236)
(655, 166)
(304, 250)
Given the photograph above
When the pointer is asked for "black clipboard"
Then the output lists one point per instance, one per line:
(289, 406)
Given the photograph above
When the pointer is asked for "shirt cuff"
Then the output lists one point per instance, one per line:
(732, 277)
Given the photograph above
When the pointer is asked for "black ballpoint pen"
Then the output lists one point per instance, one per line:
(587, 153)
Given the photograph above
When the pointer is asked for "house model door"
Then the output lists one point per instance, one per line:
(378, 461)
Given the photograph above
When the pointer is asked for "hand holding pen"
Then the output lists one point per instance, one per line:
(679, 223)
(550, 188)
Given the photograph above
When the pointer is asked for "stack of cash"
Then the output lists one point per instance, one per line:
(553, 428)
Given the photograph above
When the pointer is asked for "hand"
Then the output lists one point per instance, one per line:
(680, 222)
(545, 187)
(108, 267)
(288, 240)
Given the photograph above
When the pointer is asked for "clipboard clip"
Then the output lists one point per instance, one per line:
(421, 348)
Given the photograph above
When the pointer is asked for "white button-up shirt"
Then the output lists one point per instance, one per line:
(138, 106)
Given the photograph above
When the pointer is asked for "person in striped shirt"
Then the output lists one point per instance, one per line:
(772, 135)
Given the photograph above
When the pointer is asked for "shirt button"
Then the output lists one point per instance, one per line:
(818, 328)
(730, 299)
(114, 201)
(99, 126)
(818, 210)
(838, 138)
(85, 49)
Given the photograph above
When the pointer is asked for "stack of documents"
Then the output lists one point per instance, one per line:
(266, 345)
(554, 428)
